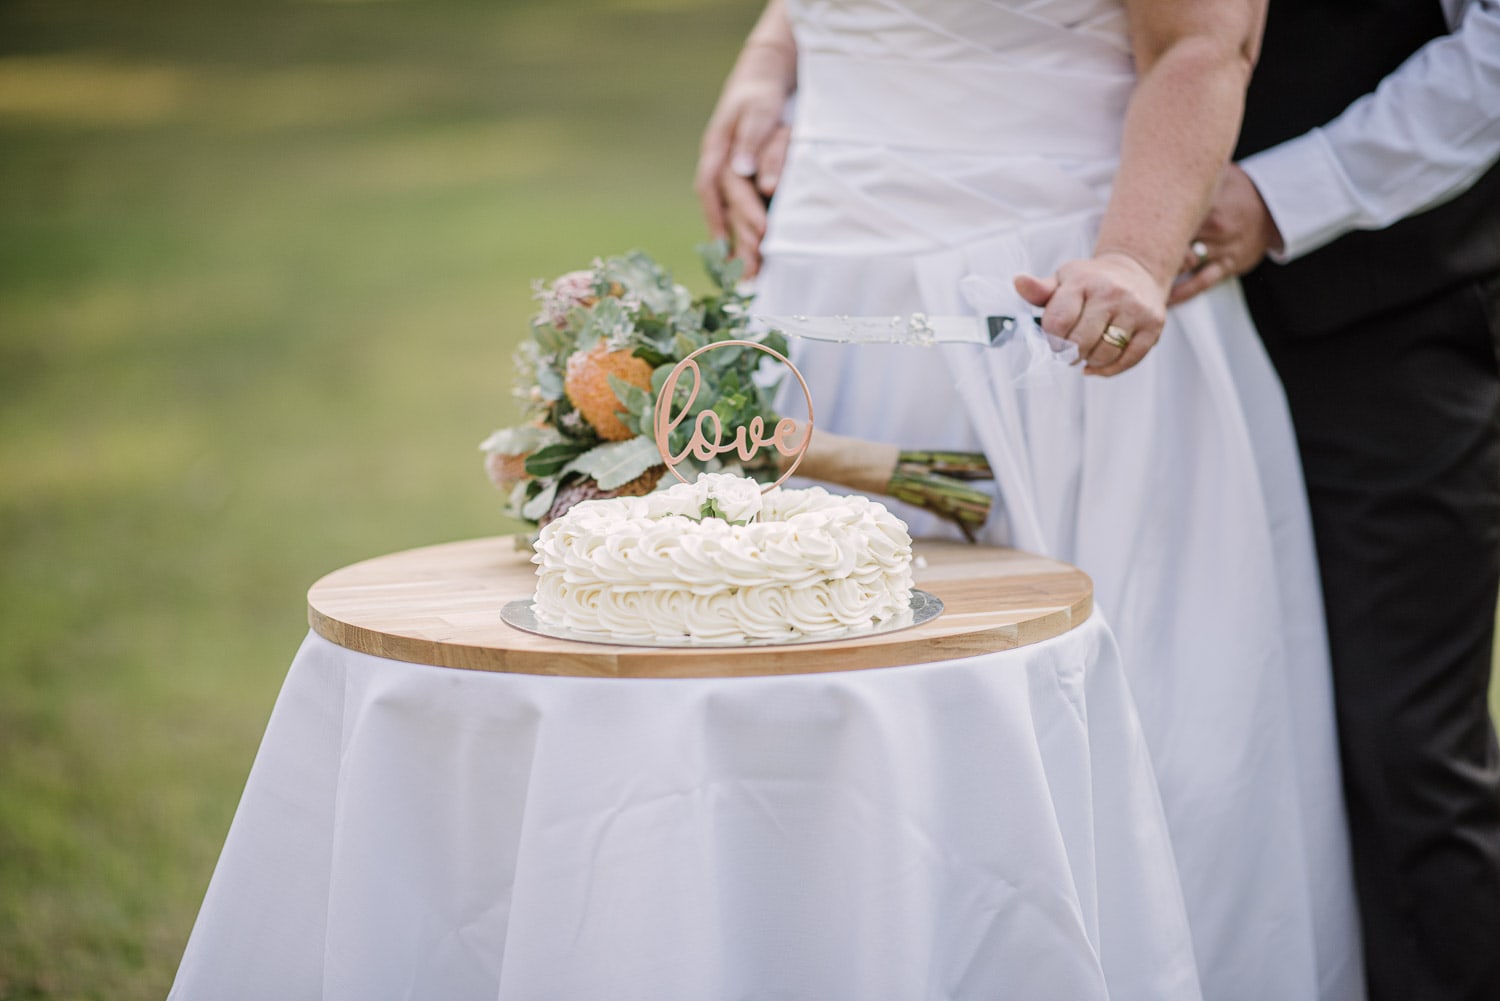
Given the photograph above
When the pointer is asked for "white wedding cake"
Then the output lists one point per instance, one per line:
(717, 561)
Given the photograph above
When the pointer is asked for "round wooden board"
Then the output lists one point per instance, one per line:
(441, 605)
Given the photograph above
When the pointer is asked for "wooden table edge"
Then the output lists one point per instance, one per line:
(507, 650)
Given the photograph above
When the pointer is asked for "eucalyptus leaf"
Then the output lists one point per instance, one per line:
(685, 343)
(723, 359)
(689, 318)
(637, 423)
(618, 462)
(610, 320)
(515, 502)
(541, 503)
(520, 440)
(550, 339)
(633, 397)
(659, 377)
(730, 406)
(550, 384)
(644, 280)
(551, 460)
(724, 270)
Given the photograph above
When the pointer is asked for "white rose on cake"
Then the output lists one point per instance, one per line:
(734, 498)
(680, 499)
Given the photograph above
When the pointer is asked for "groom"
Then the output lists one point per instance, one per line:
(1386, 341)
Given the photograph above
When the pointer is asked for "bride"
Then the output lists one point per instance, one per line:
(1067, 149)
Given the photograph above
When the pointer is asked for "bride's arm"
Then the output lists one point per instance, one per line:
(745, 139)
(1193, 62)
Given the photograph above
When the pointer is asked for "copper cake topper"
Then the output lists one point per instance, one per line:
(707, 441)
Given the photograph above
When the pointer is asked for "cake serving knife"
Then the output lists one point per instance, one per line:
(911, 328)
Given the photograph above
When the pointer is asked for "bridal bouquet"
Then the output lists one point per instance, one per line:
(602, 345)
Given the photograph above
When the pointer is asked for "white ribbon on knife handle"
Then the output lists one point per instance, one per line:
(1047, 356)
(1031, 360)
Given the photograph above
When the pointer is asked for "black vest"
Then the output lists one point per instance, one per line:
(1318, 57)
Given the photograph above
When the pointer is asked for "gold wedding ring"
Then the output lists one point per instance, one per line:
(1116, 336)
(1200, 253)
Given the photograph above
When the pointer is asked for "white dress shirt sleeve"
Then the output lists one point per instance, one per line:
(1423, 136)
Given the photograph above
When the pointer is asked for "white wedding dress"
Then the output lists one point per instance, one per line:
(938, 139)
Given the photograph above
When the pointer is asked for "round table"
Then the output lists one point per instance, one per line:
(977, 818)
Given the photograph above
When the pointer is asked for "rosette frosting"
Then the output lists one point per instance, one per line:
(718, 561)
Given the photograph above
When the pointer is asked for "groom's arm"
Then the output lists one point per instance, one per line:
(1428, 132)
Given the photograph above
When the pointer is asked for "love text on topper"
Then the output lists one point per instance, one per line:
(707, 439)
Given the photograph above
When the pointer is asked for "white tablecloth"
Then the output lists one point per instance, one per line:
(977, 828)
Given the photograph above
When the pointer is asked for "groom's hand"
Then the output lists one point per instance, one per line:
(1234, 237)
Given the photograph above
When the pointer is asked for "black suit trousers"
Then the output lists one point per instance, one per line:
(1398, 423)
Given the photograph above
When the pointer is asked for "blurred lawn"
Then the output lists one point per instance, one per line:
(261, 269)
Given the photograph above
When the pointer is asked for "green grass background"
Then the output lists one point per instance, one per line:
(261, 268)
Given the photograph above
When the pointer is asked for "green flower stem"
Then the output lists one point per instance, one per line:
(957, 465)
(946, 496)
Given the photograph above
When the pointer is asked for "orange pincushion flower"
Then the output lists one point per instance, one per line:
(587, 386)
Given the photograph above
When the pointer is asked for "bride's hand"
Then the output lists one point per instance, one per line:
(1110, 305)
(739, 161)
(743, 122)
(743, 200)
(744, 144)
